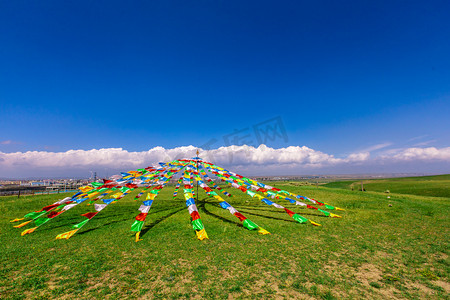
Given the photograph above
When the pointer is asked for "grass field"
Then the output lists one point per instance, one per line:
(437, 186)
(374, 252)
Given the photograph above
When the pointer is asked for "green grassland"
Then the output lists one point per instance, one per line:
(438, 186)
(375, 251)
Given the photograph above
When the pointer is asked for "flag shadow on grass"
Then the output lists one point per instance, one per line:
(159, 220)
(268, 217)
(275, 218)
(102, 225)
(61, 223)
(281, 212)
(202, 207)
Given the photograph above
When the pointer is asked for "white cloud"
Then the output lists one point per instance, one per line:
(358, 157)
(377, 147)
(422, 154)
(263, 155)
(262, 159)
(8, 142)
(418, 137)
(424, 143)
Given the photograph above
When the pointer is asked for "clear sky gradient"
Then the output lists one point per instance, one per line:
(343, 76)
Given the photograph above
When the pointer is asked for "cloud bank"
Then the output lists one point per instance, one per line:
(289, 160)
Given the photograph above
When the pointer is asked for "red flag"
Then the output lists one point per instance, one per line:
(195, 215)
(320, 203)
(109, 185)
(240, 216)
(290, 212)
(309, 206)
(141, 216)
(49, 207)
(90, 215)
(243, 189)
(53, 214)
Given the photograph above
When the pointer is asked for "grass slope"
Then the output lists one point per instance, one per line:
(373, 252)
(438, 186)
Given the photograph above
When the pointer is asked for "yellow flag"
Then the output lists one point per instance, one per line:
(262, 230)
(23, 224)
(66, 235)
(338, 208)
(151, 196)
(16, 220)
(334, 216)
(93, 194)
(260, 197)
(117, 195)
(85, 188)
(27, 231)
(137, 236)
(201, 234)
(314, 223)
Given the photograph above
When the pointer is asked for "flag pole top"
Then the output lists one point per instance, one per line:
(197, 158)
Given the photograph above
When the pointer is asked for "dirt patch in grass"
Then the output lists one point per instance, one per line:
(423, 290)
(368, 273)
(443, 284)
(387, 293)
(370, 276)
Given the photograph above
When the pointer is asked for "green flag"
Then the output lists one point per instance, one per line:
(96, 184)
(197, 224)
(299, 218)
(324, 211)
(124, 189)
(251, 193)
(35, 215)
(137, 225)
(40, 221)
(249, 224)
(79, 225)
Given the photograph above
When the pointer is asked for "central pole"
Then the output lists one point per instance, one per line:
(197, 173)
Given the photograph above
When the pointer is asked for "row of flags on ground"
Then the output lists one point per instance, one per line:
(150, 181)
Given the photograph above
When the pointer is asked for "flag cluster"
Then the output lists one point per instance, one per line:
(153, 180)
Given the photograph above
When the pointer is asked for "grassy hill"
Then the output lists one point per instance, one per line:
(375, 251)
(437, 186)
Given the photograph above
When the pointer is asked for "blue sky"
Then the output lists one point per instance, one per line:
(343, 77)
